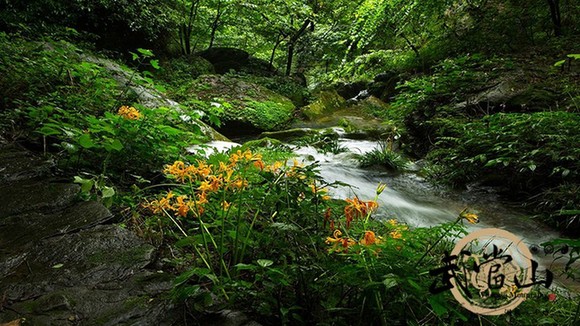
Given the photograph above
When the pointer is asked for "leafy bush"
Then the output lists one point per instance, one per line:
(122, 25)
(527, 153)
(71, 106)
(183, 70)
(115, 142)
(264, 237)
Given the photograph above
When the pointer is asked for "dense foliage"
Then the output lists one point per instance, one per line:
(486, 91)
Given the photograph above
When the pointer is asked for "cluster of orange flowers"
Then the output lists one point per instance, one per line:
(209, 179)
(129, 113)
(357, 208)
(180, 205)
(340, 243)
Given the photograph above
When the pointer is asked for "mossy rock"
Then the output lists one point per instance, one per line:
(184, 68)
(327, 103)
(266, 142)
(243, 107)
(290, 134)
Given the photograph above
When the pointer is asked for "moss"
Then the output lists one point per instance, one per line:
(243, 102)
(327, 102)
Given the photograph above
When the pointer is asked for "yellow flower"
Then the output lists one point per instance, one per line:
(182, 206)
(203, 170)
(392, 222)
(179, 171)
(239, 183)
(370, 239)
(226, 205)
(259, 164)
(201, 198)
(357, 208)
(274, 167)
(129, 113)
(470, 217)
(338, 242)
(396, 234)
(204, 186)
(157, 206)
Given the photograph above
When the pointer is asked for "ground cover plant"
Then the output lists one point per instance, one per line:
(267, 238)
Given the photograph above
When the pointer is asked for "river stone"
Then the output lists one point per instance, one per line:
(89, 306)
(17, 164)
(31, 196)
(327, 103)
(225, 59)
(19, 230)
(247, 108)
(228, 317)
(290, 134)
(101, 255)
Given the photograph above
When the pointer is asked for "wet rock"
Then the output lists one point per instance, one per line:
(92, 277)
(350, 90)
(326, 104)
(228, 318)
(99, 255)
(35, 196)
(225, 59)
(247, 107)
(384, 85)
(19, 230)
(513, 94)
(17, 164)
(290, 134)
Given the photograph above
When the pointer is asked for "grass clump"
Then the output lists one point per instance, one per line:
(383, 156)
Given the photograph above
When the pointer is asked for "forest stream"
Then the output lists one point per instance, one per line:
(410, 198)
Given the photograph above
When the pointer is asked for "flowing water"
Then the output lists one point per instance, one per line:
(411, 199)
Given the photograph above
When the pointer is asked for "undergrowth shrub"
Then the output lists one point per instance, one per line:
(266, 238)
(529, 153)
(383, 156)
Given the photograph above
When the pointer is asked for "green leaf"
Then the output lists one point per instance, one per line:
(245, 267)
(108, 192)
(57, 266)
(154, 64)
(569, 212)
(146, 53)
(559, 63)
(160, 88)
(170, 130)
(437, 305)
(48, 131)
(135, 56)
(86, 184)
(574, 56)
(265, 262)
(565, 172)
(390, 281)
(85, 141)
(114, 145)
(414, 284)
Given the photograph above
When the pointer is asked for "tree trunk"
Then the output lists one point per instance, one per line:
(215, 25)
(289, 58)
(555, 15)
(292, 43)
(186, 29)
(279, 40)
